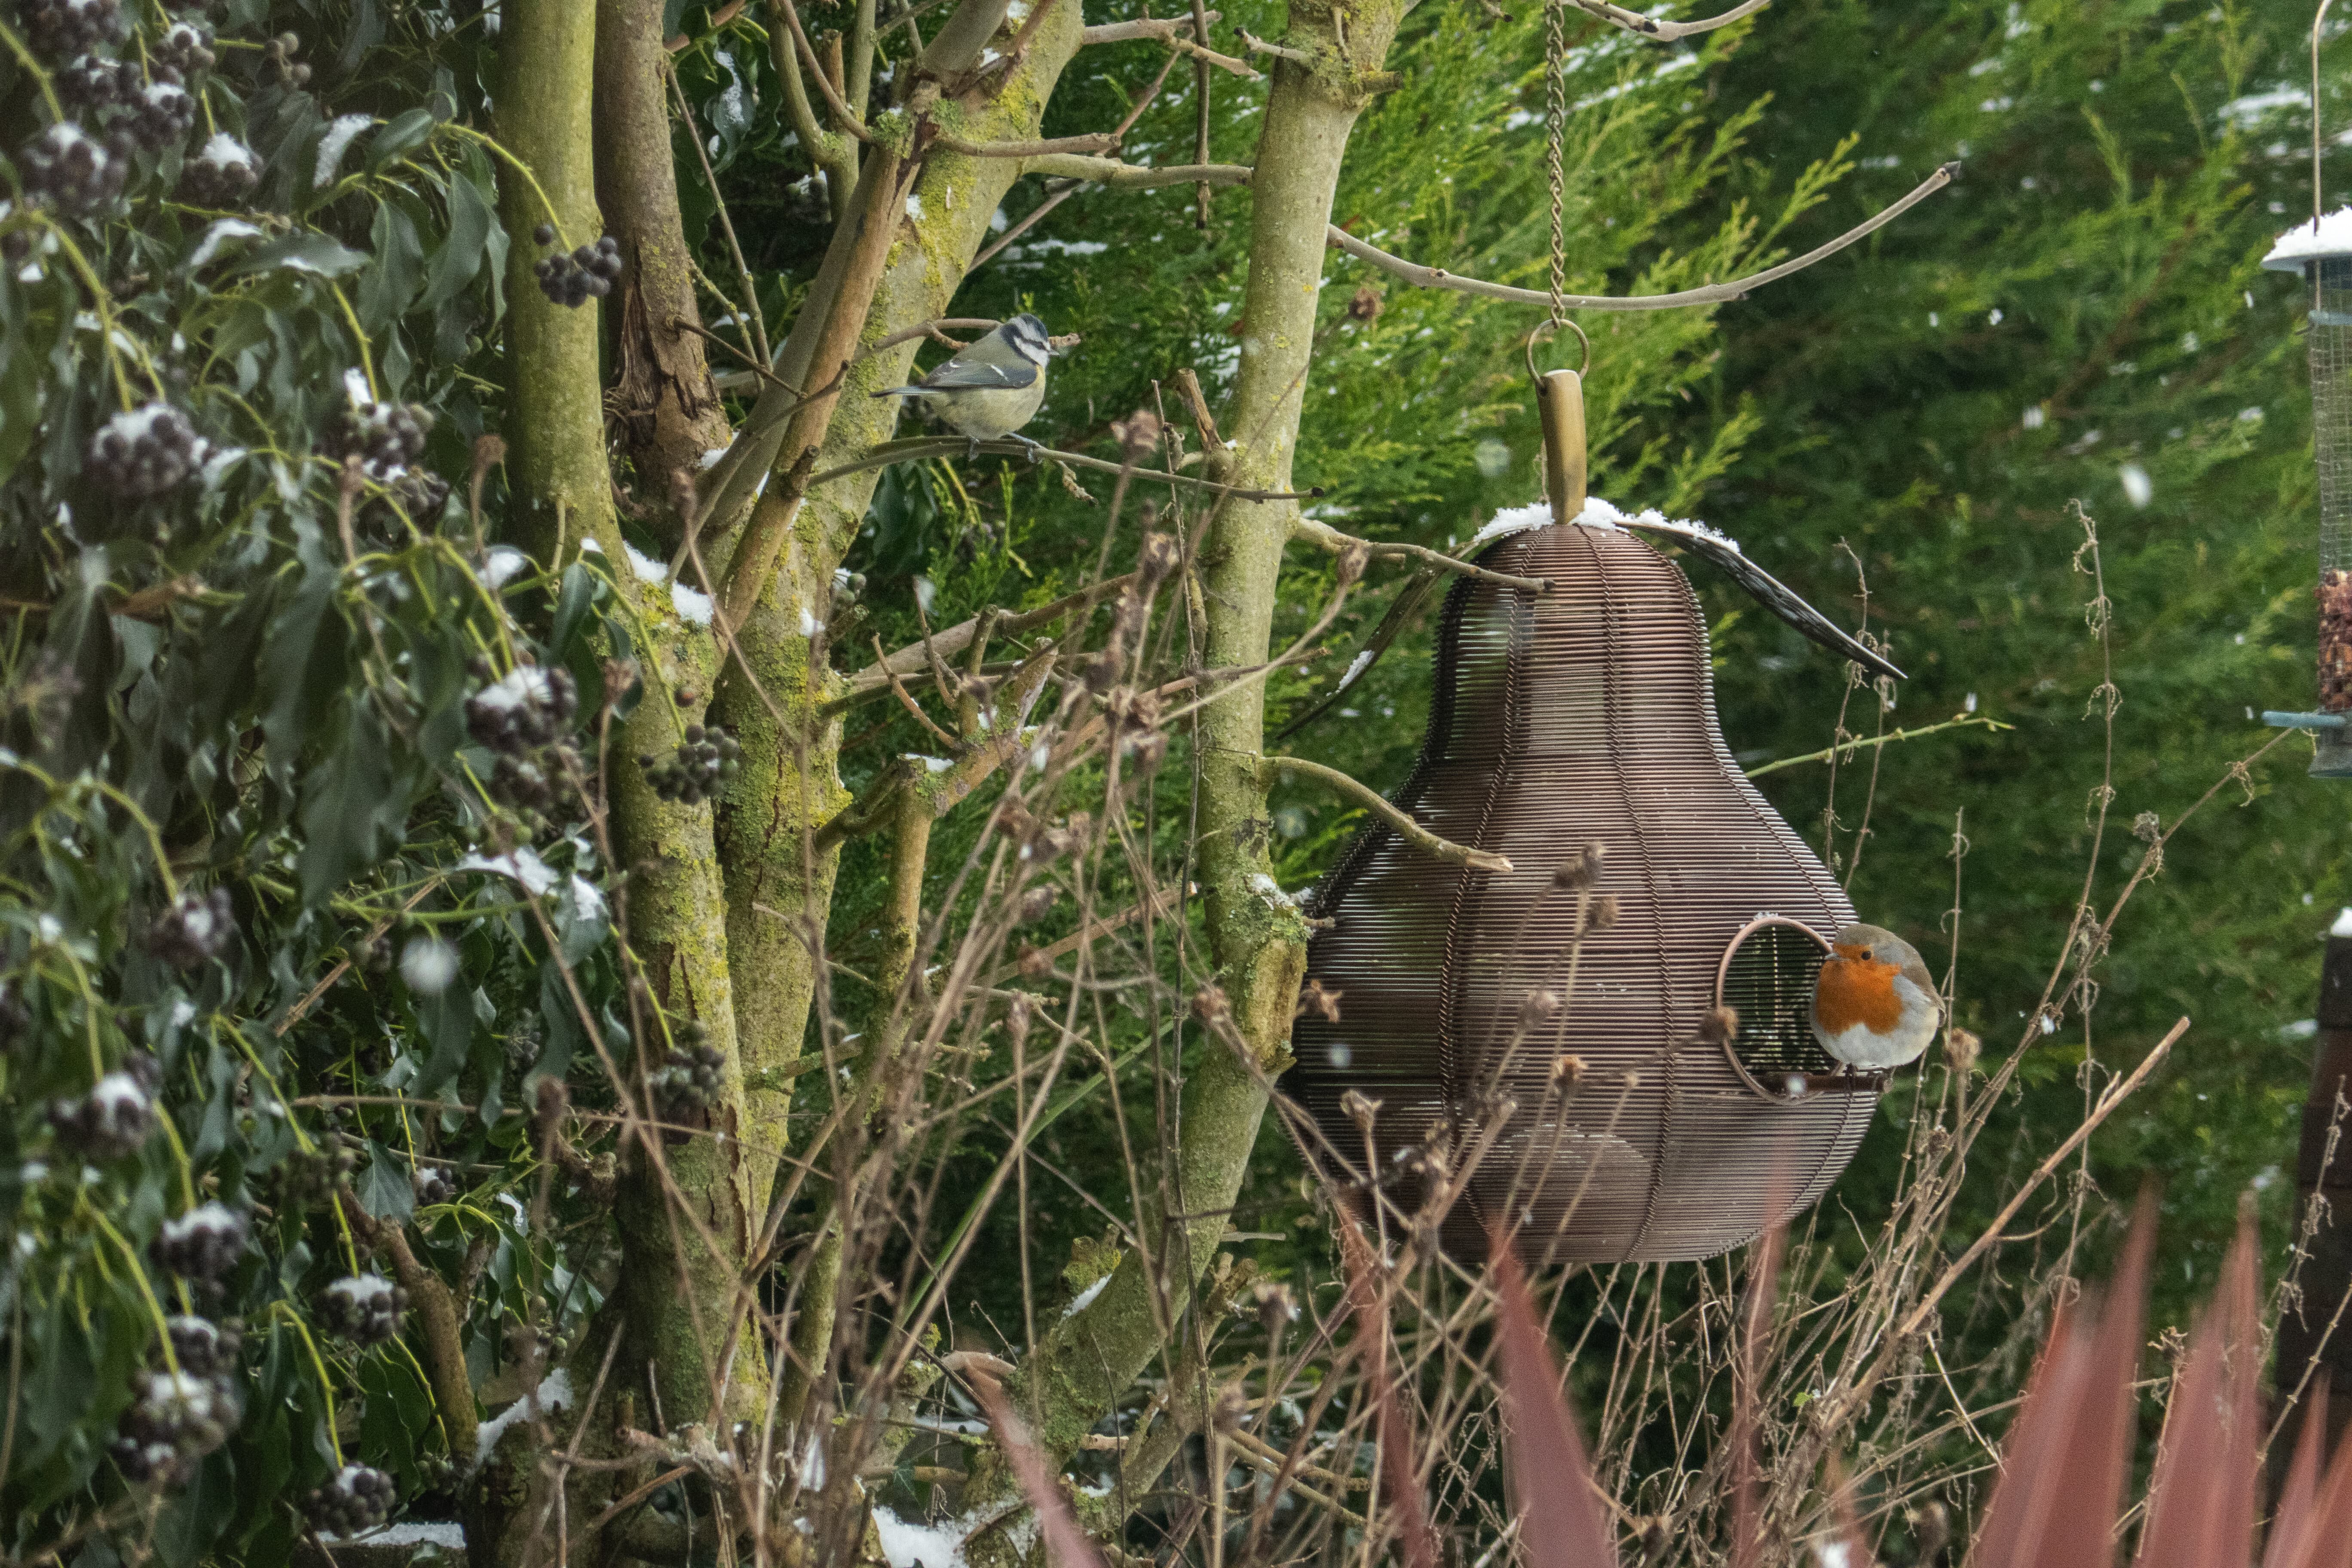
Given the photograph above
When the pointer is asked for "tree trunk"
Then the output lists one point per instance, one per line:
(1089, 1359)
(665, 406)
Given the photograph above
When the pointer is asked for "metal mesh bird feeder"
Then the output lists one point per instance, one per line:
(1639, 1129)
(2321, 251)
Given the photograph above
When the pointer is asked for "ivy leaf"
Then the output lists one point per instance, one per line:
(459, 259)
(385, 1190)
(319, 253)
(399, 135)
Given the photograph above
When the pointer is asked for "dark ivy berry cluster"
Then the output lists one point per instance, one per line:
(704, 761)
(149, 451)
(174, 1420)
(59, 29)
(358, 1497)
(196, 929)
(185, 48)
(278, 58)
(688, 1079)
(72, 171)
(112, 1119)
(204, 1348)
(587, 273)
(385, 437)
(525, 720)
(433, 1185)
(365, 1308)
(222, 175)
(202, 1246)
(420, 494)
(307, 1178)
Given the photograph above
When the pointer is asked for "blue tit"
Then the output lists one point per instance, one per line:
(993, 388)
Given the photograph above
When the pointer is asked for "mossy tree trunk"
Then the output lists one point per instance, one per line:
(1092, 1357)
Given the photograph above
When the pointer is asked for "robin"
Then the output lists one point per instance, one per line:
(1876, 1005)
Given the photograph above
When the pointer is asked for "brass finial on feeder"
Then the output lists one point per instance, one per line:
(1560, 406)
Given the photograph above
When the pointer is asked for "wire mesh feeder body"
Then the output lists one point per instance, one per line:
(1583, 715)
(2321, 252)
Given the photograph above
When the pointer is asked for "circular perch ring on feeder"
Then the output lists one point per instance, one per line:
(1767, 978)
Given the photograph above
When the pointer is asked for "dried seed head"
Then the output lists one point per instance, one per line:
(1538, 1008)
(1360, 1108)
(1211, 1005)
(1034, 963)
(1158, 558)
(1276, 1306)
(2147, 827)
(1931, 1530)
(1018, 1014)
(1039, 901)
(1136, 434)
(1603, 913)
(1720, 1027)
(1566, 1072)
(1320, 1000)
(1960, 1050)
(1365, 305)
(1580, 869)
(1147, 750)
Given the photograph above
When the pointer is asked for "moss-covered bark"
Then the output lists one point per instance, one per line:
(1089, 1359)
(779, 889)
(682, 1209)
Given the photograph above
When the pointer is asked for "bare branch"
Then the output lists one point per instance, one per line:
(1324, 536)
(910, 659)
(1258, 45)
(1135, 176)
(842, 115)
(921, 446)
(1713, 294)
(1665, 32)
(1164, 30)
(936, 329)
(1371, 800)
(1094, 142)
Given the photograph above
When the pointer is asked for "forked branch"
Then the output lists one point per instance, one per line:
(1712, 294)
(1325, 536)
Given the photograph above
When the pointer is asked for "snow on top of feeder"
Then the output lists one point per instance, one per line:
(2320, 239)
(1599, 513)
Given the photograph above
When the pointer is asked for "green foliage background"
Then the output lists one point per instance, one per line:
(2085, 302)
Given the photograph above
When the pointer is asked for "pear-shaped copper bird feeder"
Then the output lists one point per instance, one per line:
(1555, 1032)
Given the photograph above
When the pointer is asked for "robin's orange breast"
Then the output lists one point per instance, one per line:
(1857, 991)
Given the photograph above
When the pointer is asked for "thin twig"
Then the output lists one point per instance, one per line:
(1713, 294)
(916, 448)
(1666, 32)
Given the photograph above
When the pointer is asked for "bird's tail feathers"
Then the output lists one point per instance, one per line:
(901, 391)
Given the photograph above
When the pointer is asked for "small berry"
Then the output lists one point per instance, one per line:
(544, 233)
(433, 1185)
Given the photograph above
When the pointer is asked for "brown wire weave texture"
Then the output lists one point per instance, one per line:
(1583, 715)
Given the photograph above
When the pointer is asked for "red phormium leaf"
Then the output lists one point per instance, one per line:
(2300, 1494)
(1066, 1545)
(2200, 1504)
(2064, 1464)
(1552, 1490)
(1399, 1485)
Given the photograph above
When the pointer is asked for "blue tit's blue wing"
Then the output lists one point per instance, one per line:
(960, 375)
(1769, 590)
